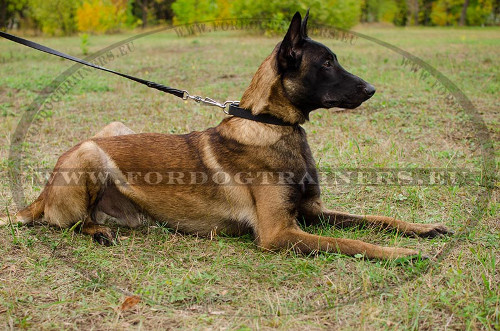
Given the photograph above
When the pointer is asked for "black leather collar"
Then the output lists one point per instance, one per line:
(235, 110)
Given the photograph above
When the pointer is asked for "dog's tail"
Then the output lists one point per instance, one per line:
(30, 213)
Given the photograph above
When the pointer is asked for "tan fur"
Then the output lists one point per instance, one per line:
(266, 95)
(113, 129)
(235, 146)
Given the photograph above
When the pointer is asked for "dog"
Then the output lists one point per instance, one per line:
(299, 76)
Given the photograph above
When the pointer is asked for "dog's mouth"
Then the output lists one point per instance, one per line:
(340, 104)
(350, 105)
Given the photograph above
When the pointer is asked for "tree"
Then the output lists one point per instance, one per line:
(425, 11)
(496, 12)
(163, 10)
(100, 16)
(414, 10)
(188, 11)
(401, 17)
(144, 6)
(446, 12)
(151, 12)
(379, 11)
(54, 17)
(9, 9)
(479, 11)
(463, 15)
(339, 13)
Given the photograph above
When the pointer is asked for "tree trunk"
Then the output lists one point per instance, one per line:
(144, 12)
(416, 12)
(464, 13)
(3, 15)
(144, 17)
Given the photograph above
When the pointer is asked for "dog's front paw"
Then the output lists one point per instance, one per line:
(429, 230)
(396, 253)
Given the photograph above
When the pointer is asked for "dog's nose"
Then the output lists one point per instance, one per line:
(369, 90)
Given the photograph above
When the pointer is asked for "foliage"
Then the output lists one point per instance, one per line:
(65, 17)
(9, 9)
(150, 12)
(84, 43)
(340, 13)
(131, 19)
(401, 16)
(425, 11)
(265, 8)
(478, 11)
(55, 17)
(446, 12)
(280, 12)
(187, 11)
(100, 16)
(378, 10)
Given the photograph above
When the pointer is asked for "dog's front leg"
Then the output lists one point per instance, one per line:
(296, 239)
(277, 229)
(314, 212)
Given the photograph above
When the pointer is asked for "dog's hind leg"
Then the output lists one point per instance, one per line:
(60, 205)
(113, 129)
(29, 214)
(68, 204)
(101, 234)
(74, 187)
(36, 210)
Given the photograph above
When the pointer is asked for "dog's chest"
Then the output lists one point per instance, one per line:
(299, 168)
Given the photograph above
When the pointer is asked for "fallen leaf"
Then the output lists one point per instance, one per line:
(130, 302)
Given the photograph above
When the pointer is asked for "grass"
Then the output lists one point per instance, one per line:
(52, 279)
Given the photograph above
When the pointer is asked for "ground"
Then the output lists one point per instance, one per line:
(52, 279)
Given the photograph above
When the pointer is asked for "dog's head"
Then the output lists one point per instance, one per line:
(312, 76)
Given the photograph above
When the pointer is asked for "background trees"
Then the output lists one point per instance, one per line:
(63, 17)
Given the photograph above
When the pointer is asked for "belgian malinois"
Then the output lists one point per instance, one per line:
(299, 76)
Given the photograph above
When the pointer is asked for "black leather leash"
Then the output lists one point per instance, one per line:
(233, 106)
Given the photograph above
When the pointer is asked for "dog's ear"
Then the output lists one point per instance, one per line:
(288, 52)
(303, 27)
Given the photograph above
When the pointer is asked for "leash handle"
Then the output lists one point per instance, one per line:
(160, 87)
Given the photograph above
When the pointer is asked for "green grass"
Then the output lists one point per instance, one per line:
(53, 279)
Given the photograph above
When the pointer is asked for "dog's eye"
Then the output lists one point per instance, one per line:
(327, 64)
